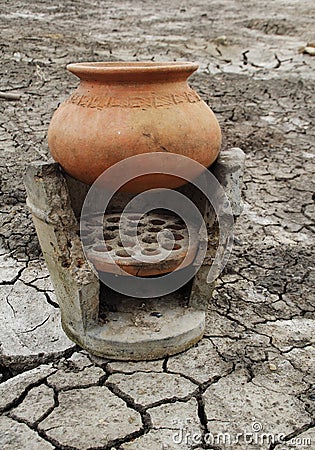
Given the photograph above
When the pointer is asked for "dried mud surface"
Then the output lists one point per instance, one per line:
(260, 322)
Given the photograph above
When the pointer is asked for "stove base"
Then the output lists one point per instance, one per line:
(162, 327)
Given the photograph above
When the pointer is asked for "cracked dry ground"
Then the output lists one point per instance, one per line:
(255, 366)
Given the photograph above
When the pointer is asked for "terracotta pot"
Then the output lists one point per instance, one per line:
(123, 109)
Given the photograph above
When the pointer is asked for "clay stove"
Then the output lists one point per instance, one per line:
(106, 323)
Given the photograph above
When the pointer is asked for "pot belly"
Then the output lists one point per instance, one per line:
(86, 141)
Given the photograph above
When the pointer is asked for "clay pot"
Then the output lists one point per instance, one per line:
(124, 109)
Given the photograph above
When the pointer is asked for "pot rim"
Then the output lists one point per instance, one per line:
(132, 67)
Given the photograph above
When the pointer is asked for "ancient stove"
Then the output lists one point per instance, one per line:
(106, 323)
